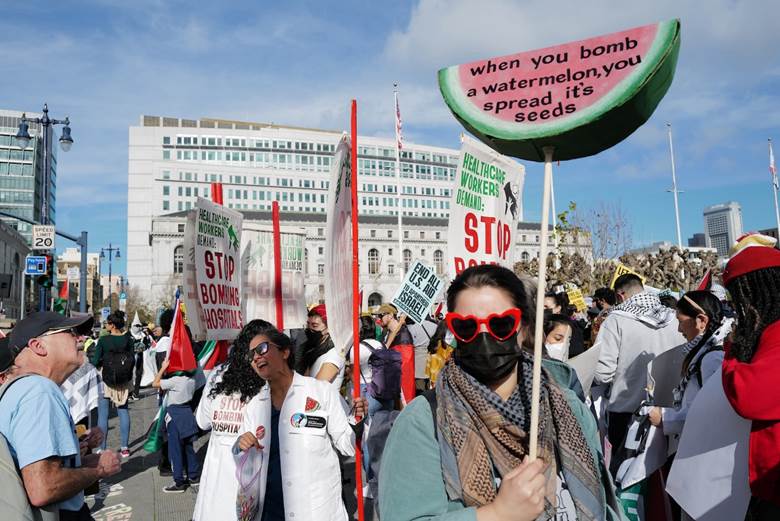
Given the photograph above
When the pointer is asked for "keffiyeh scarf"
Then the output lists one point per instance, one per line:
(482, 437)
(646, 308)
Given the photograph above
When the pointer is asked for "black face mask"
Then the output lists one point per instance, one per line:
(313, 337)
(487, 359)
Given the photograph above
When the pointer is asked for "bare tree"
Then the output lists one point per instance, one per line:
(609, 228)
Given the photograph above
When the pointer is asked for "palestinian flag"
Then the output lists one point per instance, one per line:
(61, 302)
(213, 353)
(155, 436)
(706, 282)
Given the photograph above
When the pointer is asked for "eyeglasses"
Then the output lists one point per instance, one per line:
(500, 325)
(260, 349)
(70, 330)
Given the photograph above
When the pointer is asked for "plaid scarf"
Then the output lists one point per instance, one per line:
(647, 308)
(480, 434)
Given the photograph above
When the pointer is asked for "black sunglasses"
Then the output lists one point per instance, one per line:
(260, 349)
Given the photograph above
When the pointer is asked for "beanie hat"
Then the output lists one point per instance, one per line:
(320, 310)
(752, 252)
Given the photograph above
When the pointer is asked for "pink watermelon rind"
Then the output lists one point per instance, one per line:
(501, 135)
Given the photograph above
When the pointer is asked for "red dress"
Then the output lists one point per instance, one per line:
(753, 389)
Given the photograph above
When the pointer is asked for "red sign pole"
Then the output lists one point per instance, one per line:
(356, 310)
(277, 267)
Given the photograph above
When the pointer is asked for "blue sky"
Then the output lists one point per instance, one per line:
(104, 63)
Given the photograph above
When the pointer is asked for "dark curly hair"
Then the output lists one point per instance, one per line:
(756, 299)
(237, 374)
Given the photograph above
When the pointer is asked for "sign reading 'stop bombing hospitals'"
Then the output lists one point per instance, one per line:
(218, 269)
(485, 207)
(338, 248)
(418, 291)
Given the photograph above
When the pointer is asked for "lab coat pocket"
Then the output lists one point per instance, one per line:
(312, 429)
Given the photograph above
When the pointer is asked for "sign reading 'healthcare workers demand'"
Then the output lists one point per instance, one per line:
(485, 207)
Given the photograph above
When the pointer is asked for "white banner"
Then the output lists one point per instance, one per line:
(258, 264)
(418, 291)
(338, 248)
(218, 268)
(485, 207)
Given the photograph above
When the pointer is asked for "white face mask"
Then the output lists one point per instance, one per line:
(559, 351)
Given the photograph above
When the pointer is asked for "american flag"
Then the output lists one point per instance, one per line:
(399, 134)
(772, 168)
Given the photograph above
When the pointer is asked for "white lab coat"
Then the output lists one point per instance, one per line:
(311, 475)
(224, 415)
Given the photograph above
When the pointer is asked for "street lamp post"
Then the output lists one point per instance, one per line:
(66, 141)
(111, 249)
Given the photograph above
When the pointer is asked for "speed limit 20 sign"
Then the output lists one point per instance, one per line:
(43, 237)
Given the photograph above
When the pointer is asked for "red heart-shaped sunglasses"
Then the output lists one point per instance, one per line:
(500, 325)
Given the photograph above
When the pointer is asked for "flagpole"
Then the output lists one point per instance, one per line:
(773, 170)
(555, 222)
(401, 269)
(674, 189)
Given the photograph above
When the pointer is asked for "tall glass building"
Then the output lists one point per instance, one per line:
(21, 174)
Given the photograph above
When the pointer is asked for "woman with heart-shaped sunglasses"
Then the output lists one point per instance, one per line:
(467, 440)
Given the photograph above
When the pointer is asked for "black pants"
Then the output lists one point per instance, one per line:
(81, 515)
(139, 371)
(618, 427)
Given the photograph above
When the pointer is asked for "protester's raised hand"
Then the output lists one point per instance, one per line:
(108, 464)
(520, 496)
(247, 441)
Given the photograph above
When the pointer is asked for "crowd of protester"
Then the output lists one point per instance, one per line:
(444, 408)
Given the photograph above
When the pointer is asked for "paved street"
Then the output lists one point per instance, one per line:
(136, 492)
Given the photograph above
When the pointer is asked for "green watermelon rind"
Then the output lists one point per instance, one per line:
(635, 97)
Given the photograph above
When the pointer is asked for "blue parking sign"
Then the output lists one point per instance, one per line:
(36, 265)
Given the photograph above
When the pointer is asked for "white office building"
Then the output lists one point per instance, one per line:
(173, 161)
(722, 226)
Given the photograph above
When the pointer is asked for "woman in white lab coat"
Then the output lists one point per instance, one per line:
(298, 424)
(221, 410)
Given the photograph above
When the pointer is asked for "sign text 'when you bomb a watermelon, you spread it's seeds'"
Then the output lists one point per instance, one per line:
(538, 100)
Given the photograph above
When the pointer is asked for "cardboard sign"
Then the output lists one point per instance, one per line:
(218, 269)
(622, 269)
(338, 248)
(575, 298)
(196, 319)
(257, 262)
(485, 207)
(418, 291)
(663, 375)
(579, 97)
(709, 477)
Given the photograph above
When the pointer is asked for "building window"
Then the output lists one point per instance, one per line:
(373, 261)
(178, 259)
(438, 235)
(320, 232)
(374, 299)
(320, 269)
(407, 259)
(181, 228)
(406, 234)
(320, 250)
(422, 235)
(166, 205)
(525, 257)
(422, 253)
(391, 269)
(389, 234)
(373, 234)
(438, 262)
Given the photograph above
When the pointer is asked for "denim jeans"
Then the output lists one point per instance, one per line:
(374, 405)
(124, 422)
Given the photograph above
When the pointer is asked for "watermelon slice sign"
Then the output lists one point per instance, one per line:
(311, 404)
(580, 97)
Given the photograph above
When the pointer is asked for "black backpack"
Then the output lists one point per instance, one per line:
(118, 367)
(385, 373)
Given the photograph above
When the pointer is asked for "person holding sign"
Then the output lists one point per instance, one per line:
(396, 336)
(750, 369)
(467, 440)
(701, 320)
(318, 357)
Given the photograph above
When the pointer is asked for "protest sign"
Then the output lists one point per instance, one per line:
(579, 97)
(195, 318)
(258, 274)
(338, 248)
(418, 291)
(664, 374)
(575, 297)
(709, 476)
(485, 206)
(218, 269)
(622, 269)
(585, 366)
